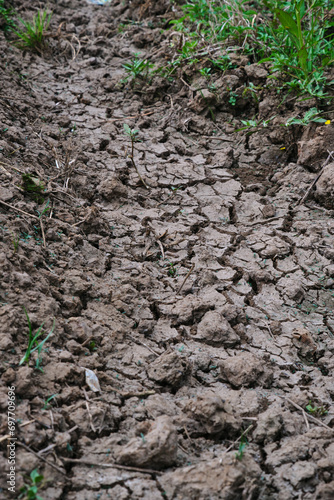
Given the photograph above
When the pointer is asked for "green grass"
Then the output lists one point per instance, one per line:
(33, 36)
(47, 402)
(33, 344)
(7, 14)
(16, 242)
(295, 37)
(137, 68)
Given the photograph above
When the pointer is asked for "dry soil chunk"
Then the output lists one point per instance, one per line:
(170, 368)
(111, 189)
(269, 425)
(313, 146)
(256, 72)
(245, 369)
(210, 414)
(324, 192)
(225, 480)
(215, 330)
(156, 448)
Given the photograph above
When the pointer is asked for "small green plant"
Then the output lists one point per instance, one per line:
(30, 491)
(205, 72)
(252, 90)
(48, 400)
(223, 62)
(253, 125)
(233, 98)
(242, 443)
(34, 35)
(133, 135)
(137, 68)
(92, 346)
(312, 409)
(172, 270)
(7, 22)
(33, 344)
(33, 186)
(312, 115)
(242, 447)
(16, 242)
(44, 211)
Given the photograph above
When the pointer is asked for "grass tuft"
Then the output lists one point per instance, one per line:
(33, 37)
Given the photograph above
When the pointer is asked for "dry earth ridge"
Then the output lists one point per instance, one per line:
(185, 365)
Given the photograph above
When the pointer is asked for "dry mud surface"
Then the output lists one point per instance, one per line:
(203, 304)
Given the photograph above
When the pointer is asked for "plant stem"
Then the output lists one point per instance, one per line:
(133, 162)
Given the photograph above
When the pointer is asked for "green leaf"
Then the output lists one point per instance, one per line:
(288, 23)
(35, 476)
(127, 129)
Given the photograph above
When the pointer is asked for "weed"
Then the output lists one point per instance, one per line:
(223, 62)
(295, 37)
(92, 346)
(212, 87)
(172, 270)
(312, 115)
(241, 450)
(33, 345)
(44, 211)
(253, 125)
(47, 401)
(133, 135)
(30, 491)
(33, 186)
(312, 409)
(7, 22)
(233, 98)
(205, 72)
(252, 90)
(16, 242)
(34, 36)
(137, 68)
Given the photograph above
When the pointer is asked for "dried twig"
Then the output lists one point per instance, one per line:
(330, 155)
(51, 446)
(43, 234)
(19, 210)
(41, 458)
(316, 420)
(111, 466)
(185, 279)
(137, 341)
(89, 412)
(127, 394)
(237, 440)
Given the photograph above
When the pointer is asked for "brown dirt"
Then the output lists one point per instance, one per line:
(204, 311)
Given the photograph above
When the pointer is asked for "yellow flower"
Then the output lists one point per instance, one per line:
(327, 122)
(283, 148)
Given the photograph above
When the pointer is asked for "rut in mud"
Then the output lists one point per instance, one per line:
(203, 303)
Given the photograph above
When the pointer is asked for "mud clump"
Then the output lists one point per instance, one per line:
(170, 368)
(220, 478)
(324, 189)
(246, 369)
(156, 445)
